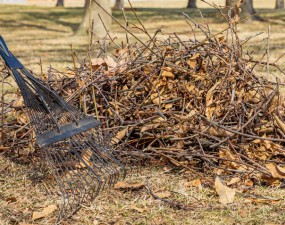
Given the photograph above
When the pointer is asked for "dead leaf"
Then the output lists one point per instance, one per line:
(134, 207)
(110, 63)
(11, 199)
(226, 194)
(261, 200)
(234, 180)
(120, 135)
(270, 181)
(280, 123)
(166, 72)
(276, 171)
(210, 100)
(248, 183)
(194, 183)
(97, 62)
(124, 185)
(19, 103)
(149, 127)
(46, 211)
(163, 194)
(22, 118)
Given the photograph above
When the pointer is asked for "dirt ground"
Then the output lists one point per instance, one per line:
(44, 34)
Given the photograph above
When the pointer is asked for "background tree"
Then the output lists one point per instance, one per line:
(60, 3)
(191, 4)
(279, 4)
(91, 11)
(119, 4)
(247, 9)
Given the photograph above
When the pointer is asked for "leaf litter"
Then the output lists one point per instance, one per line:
(198, 105)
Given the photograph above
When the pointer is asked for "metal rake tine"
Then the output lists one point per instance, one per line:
(79, 156)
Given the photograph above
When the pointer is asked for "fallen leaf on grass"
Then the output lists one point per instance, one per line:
(261, 200)
(226, 194)
(163, 194)
(46, 211)
(234, 180)
(131, 186)
(194, 183)
(134, 207)
(11, 199)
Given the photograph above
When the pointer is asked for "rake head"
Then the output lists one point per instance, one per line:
(74, 146)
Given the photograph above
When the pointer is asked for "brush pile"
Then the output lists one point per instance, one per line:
(198, 105)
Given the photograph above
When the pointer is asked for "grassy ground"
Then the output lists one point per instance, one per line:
(35, 33)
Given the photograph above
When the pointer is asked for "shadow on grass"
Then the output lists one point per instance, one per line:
(170, 14)
(39, 18)
(60, 17)
(15, 24)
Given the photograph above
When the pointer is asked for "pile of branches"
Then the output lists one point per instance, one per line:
(201, 105)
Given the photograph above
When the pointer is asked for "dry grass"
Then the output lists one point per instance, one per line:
(39, 32)
(19, 198)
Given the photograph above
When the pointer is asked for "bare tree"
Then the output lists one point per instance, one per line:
(119, 4)
(247, 9)
(92, 12)
(60, 3)
(191, 4)
(279, 4)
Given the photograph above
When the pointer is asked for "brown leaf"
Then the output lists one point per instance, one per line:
(226, 194)
(276, 171)
(124, 185)
(46, 211)
(163, 194)
(166, 72)
(149, 127)
(261, 200)
(194, 183)
(234, 180)
(11, 199)
(210, 100)
(22, 118)
(192, 63)
(18, 103)
(280, 123)
(134, 207)
(119, 136)
(97, 62)
(110, 63)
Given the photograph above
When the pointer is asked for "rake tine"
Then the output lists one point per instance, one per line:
(73, 145)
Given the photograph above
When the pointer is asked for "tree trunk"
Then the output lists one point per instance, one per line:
(94, 10)
(119, 4)
(247, 10)
(191, 4)
(60, 3)
(279, 4)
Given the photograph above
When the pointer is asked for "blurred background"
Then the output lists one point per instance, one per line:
(42, 32)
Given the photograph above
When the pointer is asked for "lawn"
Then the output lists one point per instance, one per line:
(42, 34)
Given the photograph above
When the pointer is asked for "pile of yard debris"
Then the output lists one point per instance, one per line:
(200, 105)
